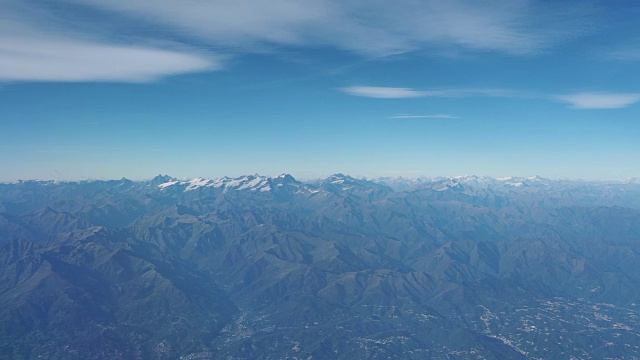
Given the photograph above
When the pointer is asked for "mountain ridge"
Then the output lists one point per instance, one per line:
(336, 268)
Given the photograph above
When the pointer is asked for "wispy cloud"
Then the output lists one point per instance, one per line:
(363, 26)
(33, 47)
(56, 43)
(585, 100)
(626, 52)
(379, 92)
(624, 55)
(435, 116)
(66, 60)
(599, 100)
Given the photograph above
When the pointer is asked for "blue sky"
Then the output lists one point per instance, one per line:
(133, 88)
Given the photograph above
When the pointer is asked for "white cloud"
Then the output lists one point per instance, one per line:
(373, 27)
(586, 100)
(383, 92)
(58, 43)
(36, 47)
(599, 100)
(435, 116)
(67, 60)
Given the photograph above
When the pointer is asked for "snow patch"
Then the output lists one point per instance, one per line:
(167, 184)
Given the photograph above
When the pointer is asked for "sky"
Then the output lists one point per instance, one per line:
(93, 89)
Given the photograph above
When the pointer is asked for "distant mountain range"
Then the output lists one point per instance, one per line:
(261, 267)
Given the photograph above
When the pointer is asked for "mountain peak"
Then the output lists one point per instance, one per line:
(340, 178)
(160, 179)
(284, 179)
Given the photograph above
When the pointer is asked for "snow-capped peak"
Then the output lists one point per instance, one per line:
(197, 183)
(248, 183)
(161, 179)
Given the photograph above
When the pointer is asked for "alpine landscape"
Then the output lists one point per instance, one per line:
(433, 179)
(340, 268)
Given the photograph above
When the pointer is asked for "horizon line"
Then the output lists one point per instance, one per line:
(324, 177)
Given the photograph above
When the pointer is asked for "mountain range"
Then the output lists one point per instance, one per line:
(260, 267)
